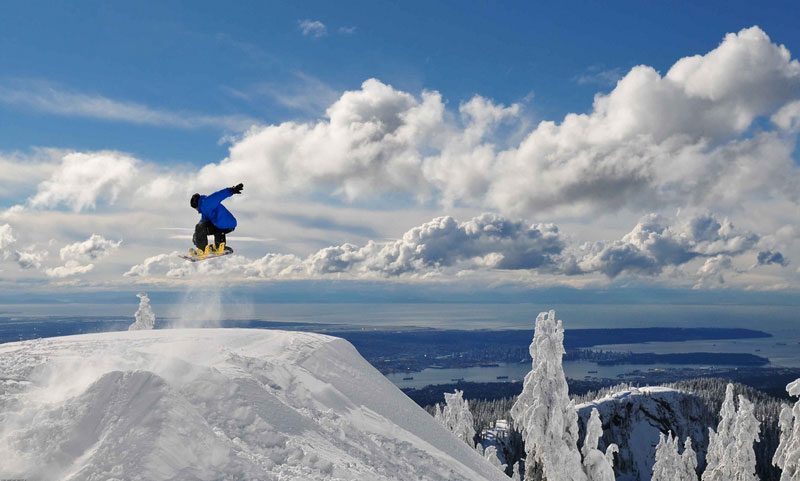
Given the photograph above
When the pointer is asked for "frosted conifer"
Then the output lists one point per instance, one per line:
(490, 454)
(437, 413)
(145, 319)
(457, 418)
(688, 462)
(543, 411)
(745, 434)
(671, 466)
(787, 456)
(716, 468)
(730, 454)
(666, 465)
(597, 465)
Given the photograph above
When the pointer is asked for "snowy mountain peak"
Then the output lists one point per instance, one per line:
(214, 404)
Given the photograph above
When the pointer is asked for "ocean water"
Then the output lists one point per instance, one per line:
(783, 349)
(517, 371)
(446, 316)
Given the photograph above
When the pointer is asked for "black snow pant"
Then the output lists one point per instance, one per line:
(203, 229)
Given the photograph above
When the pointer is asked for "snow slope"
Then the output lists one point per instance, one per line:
(214, 404)
(634, 418)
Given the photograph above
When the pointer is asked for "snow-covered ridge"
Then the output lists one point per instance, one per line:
(214, 404)
(634, 418)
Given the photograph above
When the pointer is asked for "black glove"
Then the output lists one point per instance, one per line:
(237, 189)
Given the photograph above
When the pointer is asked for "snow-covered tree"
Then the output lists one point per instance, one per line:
(598, 466)
(730, 455)
(145, 319)
(745, 433)
(543, 411)
(490, 454)
(716, 468)
(666, 465)
(787, 456)
(671, 466)
(688, 470)
(437, 413)
(456, 416)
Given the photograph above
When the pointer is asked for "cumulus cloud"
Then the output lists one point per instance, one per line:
(29, 259)
(312, 28)
(710, 274)
(94, 248)
(70, 268)
(6, 236)
(79, 257)
(82, 178)
(6, 240)
(696, 250)
(677, 139)
(25, 259)
(144, 269)
(488, 241)
(654, 245)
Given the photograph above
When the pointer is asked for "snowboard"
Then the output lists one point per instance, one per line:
(192, 258)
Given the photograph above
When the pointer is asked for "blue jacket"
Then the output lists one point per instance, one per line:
(211, 209)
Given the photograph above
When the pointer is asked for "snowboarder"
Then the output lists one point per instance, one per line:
(214, 219)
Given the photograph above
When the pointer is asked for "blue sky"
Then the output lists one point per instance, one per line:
(191, 56)
(428, 143)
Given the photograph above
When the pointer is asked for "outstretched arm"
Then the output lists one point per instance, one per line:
(214, 199)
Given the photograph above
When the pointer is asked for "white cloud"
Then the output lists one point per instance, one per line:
(70, 268)
(653, 245)
(495, 246)
(312, 28)
(674, 140)
(788, 117)
(369, 144)
(488, 241)
(19, 173)
(144, 269)
(74, 255)
(653, 144)
(94, 248)
(6, 236)
(710, 274)
(347, 30)
(49, 98)
(29, 259)
(83, 178)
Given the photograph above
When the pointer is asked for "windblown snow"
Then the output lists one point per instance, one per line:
(214, 404)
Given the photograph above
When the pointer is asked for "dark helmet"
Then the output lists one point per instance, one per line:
(194, 200)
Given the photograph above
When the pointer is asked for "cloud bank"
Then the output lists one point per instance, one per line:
(681, 139)
(489, 242)
(715, 133)
(654, 245)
